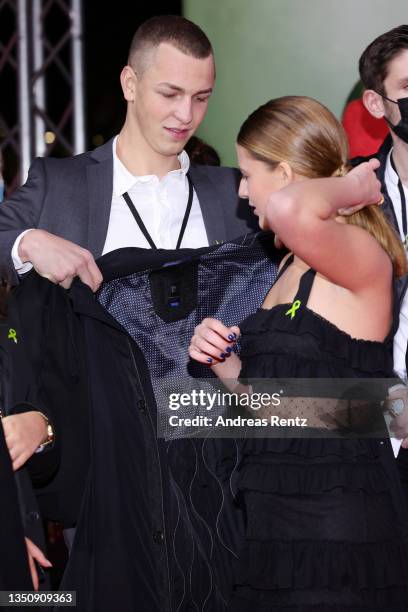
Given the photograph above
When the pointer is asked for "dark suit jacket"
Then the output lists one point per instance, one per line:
(71, 198)
(14, 398)
(382, 155)
(30, 381)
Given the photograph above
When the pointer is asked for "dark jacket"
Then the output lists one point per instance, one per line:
(42, 367)
(26, 507)
(402, 285)
(14, 572)
(387, 207)
(157, 522)
(382, 154)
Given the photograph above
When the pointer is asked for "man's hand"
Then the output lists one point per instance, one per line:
(35, 554)
(24, 433)
(59, 260)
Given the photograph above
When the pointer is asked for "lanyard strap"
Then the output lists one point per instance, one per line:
(142, 226)
(403, 202)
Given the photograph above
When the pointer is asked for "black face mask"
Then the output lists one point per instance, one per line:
(401, 129)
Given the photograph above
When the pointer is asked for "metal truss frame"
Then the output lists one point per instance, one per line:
(43, 58)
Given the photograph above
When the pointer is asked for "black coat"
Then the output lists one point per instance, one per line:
(14, 572)
(45, 373)
(382, 154)
(157, 520)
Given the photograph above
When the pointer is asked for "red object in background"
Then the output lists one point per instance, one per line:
(365, 133)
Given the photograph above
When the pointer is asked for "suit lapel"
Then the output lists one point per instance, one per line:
(210, 204)
(100, 188)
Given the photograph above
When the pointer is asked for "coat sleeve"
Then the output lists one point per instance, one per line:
(21, 362)
(19, 212)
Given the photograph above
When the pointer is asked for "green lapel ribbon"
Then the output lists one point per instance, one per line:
(12, 335)
(292, 310)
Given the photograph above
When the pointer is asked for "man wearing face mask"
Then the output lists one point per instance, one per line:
(384, 72)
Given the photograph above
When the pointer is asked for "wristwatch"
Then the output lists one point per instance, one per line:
(50, 434)
(397, 406)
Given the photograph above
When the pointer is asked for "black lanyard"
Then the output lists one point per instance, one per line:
(142, 226)
(403, 202)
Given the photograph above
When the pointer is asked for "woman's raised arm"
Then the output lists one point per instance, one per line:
(307, 217)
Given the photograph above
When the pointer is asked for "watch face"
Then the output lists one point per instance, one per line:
(397, 407)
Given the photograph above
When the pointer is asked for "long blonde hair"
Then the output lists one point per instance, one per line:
(306, 135)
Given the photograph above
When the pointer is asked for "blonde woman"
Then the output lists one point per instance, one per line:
(326, 525)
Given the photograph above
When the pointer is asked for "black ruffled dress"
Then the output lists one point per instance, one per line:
(326, 519)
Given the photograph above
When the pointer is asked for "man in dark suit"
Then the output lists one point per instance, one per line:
(75, 207)
(384, 72)
(138, 189)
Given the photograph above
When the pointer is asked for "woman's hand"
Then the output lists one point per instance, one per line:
(35, 554)
(24, 433)
(213, 342)
(367, 187)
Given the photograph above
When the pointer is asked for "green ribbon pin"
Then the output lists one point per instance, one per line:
(12, 335)
(292, 310)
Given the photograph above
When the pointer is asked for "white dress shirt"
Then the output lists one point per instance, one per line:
(391, 182)
(161, 203)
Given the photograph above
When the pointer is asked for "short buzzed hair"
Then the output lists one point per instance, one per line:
(375, 60)
(183, 34)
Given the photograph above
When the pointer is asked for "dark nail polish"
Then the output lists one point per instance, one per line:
(228, 349)
(234, 334)
(223, 355)
(209, 360)
(231, 336)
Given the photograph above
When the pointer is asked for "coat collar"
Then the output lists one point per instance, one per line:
(210, 204)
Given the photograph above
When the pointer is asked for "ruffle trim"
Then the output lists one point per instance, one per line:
(344, 449)
(247, 600)
(312, 479)
(323, 565)
(332, 343)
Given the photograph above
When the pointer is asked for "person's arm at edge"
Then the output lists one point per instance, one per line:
(20, 212)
